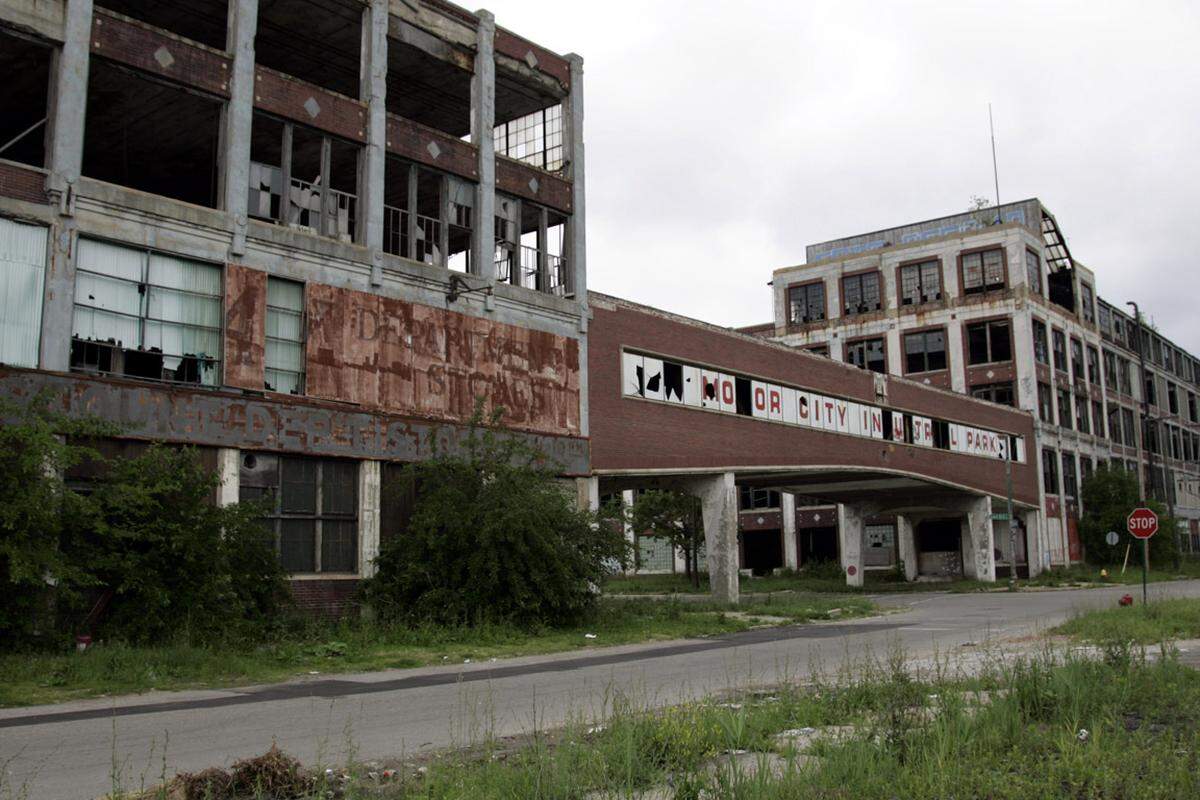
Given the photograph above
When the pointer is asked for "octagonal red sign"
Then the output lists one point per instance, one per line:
(1142, 523)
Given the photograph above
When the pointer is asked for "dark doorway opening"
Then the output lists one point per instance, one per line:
(816, 545)
(762, 551)
(939, 547)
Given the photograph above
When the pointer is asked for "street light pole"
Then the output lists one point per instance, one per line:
(1141, 353)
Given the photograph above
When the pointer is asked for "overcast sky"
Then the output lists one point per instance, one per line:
(722, 137)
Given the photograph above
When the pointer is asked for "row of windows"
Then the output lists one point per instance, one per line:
(987, 342)
(1122, 329)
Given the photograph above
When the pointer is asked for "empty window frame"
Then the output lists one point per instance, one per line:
(145, 314)
(1059, 340)
(1065, 418)
(1172, 398)
(318, 41)
(1001, 393)
(22, 280)
(1098, 418)
(1114, 425)
(925, 351)
(1082, 422)
(1070, 476)
(920, 283)
(542, 253)
(1128, 426)
(1192, 410)
(1076, 359)
(151, 136)
(1093, 365)
(1124, 376)
(535, 139)
(983, 271)
(1150, 387)
(806, 303)
(1041, 348)
(989, 342)
(311, 508)
(751, 499)
(1087, 305)
(1045, 403)
(861, 294)
(869, 354)
(1049, 471)
(1033, 271)
(284, 362)
(25, 65)
(304, 179)
(1110, 371)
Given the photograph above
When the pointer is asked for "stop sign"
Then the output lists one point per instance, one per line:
(1142, 523)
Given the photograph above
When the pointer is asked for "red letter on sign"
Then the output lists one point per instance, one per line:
(776, 402)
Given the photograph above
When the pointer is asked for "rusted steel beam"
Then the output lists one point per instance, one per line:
(529, 183)
(157, 52)
(431, 147)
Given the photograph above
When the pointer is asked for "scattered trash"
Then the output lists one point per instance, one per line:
(466, 661)
(1126, 600)
(595, 729)
(589, 636)
(314, 672)
(1083, 735)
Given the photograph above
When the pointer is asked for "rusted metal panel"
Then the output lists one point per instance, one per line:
(159, 53)
(310, 105)
(22, 183)
(245, 326)
(409, 358)
(281, 423)
(538, 185)
(431, 147)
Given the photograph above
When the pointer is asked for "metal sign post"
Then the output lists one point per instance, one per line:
(1142, 524)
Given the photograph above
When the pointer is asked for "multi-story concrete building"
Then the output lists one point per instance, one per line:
(302, 235)
(992, 303)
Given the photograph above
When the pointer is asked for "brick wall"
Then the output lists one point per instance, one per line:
(326, 598)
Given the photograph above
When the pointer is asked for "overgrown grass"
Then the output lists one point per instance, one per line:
(1088, 573)
(1123, 727)
(1160, 621)
(115, 668)
(821, 580)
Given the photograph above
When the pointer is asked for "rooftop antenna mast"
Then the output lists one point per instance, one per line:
(995, 169)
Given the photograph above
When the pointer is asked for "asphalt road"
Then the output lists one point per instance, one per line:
(84, 749)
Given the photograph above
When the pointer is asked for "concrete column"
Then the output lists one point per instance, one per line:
(64, 161)
(906, 546)
(978, 541)
(588, 493)
(718, 499)
(791, 558)
(370, 487)
(373, 77)
(1035, 541)
(1026, 367)
(574, 155)
(483, 122)
(237, 119)
(229, 461)
(955, 358)
(630, 535)
(851, 527)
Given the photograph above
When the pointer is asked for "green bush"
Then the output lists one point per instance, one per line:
(1108, 495)
(494, 537)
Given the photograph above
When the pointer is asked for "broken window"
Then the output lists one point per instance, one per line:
(303, 179)
(1151, 390)
(988, 342)
(1172, 398)
(311, 507)
(1127, 424)
(1110, 370)
(144, 314)
(1049, 471)
(1192, 408)
(1086, 304)
(1098, 418)
(867, 354)
(1114, 425)
(750, 499)
(22, 277)
(1093, 365)
(1065, 420)
(1082, 423)
(1123, 374)
(806, 303)
(543, 264)
(1070, 477)
(440, 230)
(1033, 271)
(535, 139)
(1045, 403)
(920, 283)
(425, 88)
(1001, 393)
(925, 351)
(1060, 350)
(1041, 350)
(24, 99)
(284, 361)
(151, 136)
(1076, 359)
(983, 271)
(860, 294)
(318, 41)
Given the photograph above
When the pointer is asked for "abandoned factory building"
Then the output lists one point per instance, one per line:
(301, 235)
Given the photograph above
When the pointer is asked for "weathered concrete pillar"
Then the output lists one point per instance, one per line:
(906, 545)
(851, 527)
(587, 492)
(791, 559)
(483, 123)
(1036, 553)
(978, 541)
(627, 497)
(955, 360)
(373, 77)
(718, 499)
(229, 460)
(237, 120)
(370, 489)
(64, 161)
(574, 155)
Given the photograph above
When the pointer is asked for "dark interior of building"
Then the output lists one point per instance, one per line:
(148, 135)
(318, 41)
(762, 551)
(817, 544)
(201, 21)
(24, 95)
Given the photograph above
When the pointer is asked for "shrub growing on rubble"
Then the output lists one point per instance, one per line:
(494, 537)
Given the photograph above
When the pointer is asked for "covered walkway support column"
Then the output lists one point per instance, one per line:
(718, 500)
(978, 544)
(906, 545)
(851, 524)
